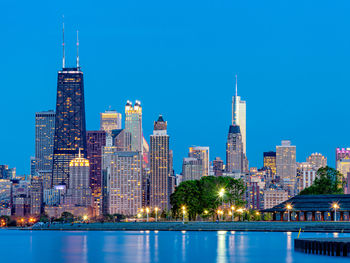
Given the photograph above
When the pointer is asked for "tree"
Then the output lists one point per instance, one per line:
(199, 196)
(67, 217)
(328, 181)
(44, 218)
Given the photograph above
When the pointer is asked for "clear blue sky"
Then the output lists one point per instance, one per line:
(179, 58)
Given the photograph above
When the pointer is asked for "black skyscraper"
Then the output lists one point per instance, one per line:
(70, 127)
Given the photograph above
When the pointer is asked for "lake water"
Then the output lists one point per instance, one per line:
(153, 246)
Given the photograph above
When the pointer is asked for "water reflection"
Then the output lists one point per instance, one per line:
(221, 250)
(289, 258)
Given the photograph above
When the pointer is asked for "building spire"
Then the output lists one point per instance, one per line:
(79, 152)
(63, 58)
(234, 105)
(77, 49)
(236, 85)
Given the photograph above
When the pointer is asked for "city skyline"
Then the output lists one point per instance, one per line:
(274, 104)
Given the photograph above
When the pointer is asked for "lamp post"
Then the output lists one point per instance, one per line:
(232, 212)
(156, 209)
(335, 206)
(289, 207)
(240, 211)
(183, 213)
(147, 211)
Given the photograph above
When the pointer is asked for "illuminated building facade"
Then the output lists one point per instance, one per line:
(5, 196)
(36, 195)
(342, 158)
(110, 120)
(70, 127)
(192, 169)
(270, 162)
(201, 153)
(123, 181)
(79, 191)
(317, 160)
(95, 141)
(306, 174)
(44, 143)
(273, 197)
(133, 124)
(286, 166)
(159, 165)
(218, 166)
(235, 157)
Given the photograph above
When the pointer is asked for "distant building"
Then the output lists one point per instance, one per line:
(235, 157)
(133, 124)
(306, 174)
(201, 153)
(79, 191)
(52, 197)
(342, 158)
(218, 166)
(239, 117)
(95, 141)
(121, 139)
(70, 126)
(159, 166)
(192, 169)
(317, 160)
(286, 166)
(36, 195)
(5, 196)
(44, 142)
(110, 120)
(270, 162)
(273, 197)
(123, 182)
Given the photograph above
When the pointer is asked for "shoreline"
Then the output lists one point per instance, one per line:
(340, 227)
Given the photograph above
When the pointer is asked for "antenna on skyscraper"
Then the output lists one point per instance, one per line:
(236, 85)
(63, 59)
(77, 49)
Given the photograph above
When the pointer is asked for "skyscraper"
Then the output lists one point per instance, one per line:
(270, 162)
(235, 158)
(44, 140)
(192, 169)
(286, 166)
(95, 140)
(159, 168)
(239, 116)
(70, 127)
(317, 160)
(218, 166)
(110, 120)
(342, 158)
(201, 153)
(133, 124)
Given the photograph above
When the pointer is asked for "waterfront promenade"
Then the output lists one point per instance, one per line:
(341, 227)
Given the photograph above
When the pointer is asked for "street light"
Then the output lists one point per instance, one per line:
(183, 213)
(240, 211)
(147, 211)
(220, 212)
(289, 207)
(335, 206)
(222, 192)
(85, 218)
(232, 212)
(156, 209)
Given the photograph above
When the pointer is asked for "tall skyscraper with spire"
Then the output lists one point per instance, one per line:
(239, 116)
(70, 127)
(133, 124)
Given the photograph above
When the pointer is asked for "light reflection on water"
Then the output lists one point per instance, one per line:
(151, 246)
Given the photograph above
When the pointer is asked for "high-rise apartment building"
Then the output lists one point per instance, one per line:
(286, 166)
(70, 127)
(192, 169)
(159, 165)
(306, 174)
(342, 158)
(110, 120)
(218, 166)
(201, 153)
(133, 124)
(36, 195)
(273, 197)
(123, 181)
(44, 140)
(95, 141)
(317, 160)
(239, 116)
(270, 162)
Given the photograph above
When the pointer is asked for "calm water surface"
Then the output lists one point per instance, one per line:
(118, 246)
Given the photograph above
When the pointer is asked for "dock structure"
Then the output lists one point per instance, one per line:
(323, 246)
